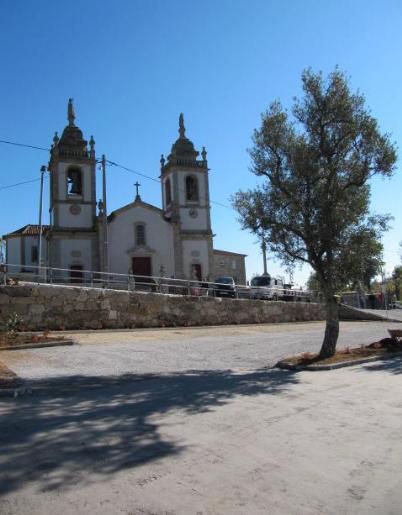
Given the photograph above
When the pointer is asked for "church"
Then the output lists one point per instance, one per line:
(174, 240)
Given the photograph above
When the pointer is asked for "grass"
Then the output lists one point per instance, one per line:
(12, 339)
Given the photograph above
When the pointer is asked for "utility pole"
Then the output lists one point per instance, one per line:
(264, 255)
(42, 173)
(105, 235)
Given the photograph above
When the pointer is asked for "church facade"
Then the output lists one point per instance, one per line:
(174, 240)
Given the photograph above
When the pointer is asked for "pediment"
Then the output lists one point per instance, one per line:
(140, 250)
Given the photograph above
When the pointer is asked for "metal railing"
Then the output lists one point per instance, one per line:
(11, 273)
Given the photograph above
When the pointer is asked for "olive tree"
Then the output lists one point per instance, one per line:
(313, 203)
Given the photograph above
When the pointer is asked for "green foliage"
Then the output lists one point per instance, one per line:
(314, 204)
(313, 284)
(13, 323)
(397, 281)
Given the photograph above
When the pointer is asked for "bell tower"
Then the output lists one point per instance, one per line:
(185, 200)
(73, 228)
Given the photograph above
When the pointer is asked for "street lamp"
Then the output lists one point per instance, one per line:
(42, 173)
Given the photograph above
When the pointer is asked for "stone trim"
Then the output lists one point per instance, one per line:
(75, 200)
(195, 234)
(228, 253)
(136, 203)
(137, 249)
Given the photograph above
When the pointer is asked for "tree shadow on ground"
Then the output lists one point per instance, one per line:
(392, 365)
(76, 430)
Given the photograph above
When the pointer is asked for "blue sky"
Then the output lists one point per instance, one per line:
(132, 66)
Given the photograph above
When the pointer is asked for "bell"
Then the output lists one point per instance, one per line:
(74, 190)
(74, 180)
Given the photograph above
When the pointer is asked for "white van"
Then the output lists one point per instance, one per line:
(265, 287)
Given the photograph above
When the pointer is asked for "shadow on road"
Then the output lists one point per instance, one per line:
(87, 428)
(393, 365)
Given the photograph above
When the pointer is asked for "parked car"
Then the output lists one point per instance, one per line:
(224, 287)
(144, 283)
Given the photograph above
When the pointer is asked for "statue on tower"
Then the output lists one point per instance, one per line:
(70, 112)
(182, 129)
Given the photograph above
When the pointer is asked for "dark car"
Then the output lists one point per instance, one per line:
(144, 283)
(224, 287)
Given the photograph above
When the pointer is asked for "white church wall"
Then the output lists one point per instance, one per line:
(29, 242)
(76, 252)
(158, 240)
(189, 222)
(196, 252)
(83, 219)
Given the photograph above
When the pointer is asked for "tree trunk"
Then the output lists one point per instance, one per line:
(331, 329)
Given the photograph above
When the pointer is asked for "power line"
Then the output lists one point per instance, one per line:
(23, 145)
(15, 144)
(133, 171)
(113, 163)
(19, 184)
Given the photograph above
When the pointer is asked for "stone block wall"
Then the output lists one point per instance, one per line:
(65, 307)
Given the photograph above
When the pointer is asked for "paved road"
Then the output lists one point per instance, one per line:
(112, 353)
(208, 442)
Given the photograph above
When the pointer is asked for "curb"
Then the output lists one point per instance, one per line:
(55, 343)
(342, 364)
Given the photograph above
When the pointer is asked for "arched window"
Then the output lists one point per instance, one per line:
(140, 234)
(74, 181)
(191, 188)
(168, 192)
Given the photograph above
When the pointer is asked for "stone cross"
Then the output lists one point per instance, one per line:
(137, 195)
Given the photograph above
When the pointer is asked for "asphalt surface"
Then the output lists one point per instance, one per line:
(115, 353)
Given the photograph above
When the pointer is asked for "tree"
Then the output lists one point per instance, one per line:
(313, 206)
(397, 280)
(364, 260)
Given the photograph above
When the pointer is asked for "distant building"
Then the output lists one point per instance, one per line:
(142, 239)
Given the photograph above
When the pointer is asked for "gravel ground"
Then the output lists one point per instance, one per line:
(114, 353)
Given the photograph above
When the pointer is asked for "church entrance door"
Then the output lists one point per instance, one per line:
(196, 272)
(76, 275)
(141, 266)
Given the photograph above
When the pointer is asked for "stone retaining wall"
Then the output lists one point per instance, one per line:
(350, 313)
(62, 307)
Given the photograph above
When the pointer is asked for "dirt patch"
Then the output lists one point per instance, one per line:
(7, 376)
(383, 348)
(17, 339)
